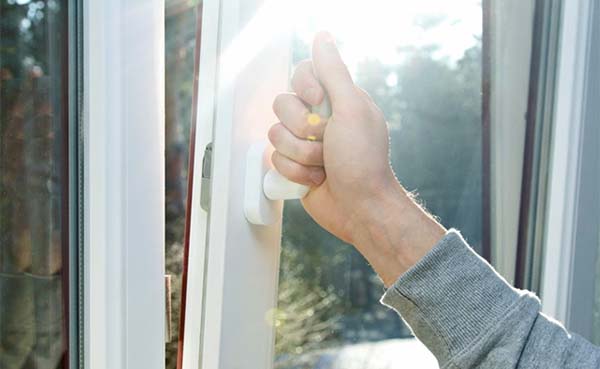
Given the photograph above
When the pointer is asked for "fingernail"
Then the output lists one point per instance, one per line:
(317, 177)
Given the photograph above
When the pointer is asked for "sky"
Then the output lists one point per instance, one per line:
(376, 28)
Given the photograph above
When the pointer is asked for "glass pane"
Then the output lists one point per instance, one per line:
(592, 112)
(33, 183)
(596, 309)
(181, 34)
(421, 62)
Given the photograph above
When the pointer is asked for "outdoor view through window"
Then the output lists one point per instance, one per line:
(180, 46)
(421, 62)
(33, 184)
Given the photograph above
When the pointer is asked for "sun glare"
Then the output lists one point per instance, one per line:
(376, 29)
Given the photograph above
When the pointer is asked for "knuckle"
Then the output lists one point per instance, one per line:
(315, 155)
(303, 66)
(292, 171)
(305, 154)
(273, 134)
(303, 176)
(308, 153)
(302, 114)
(280, 102)
(276, 103)
(317, 175)
(307, 130)
(304, 130)
(297, 173)
(275, 159)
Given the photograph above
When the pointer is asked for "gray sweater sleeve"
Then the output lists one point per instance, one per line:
(469, 317)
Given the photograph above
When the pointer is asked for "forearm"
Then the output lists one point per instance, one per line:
(453, 300)
(394, 232)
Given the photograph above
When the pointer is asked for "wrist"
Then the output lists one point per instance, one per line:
(393, 232)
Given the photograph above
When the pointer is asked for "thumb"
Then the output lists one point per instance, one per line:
(330, 68)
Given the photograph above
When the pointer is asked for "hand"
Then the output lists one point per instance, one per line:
(354, 193)
(348, 163)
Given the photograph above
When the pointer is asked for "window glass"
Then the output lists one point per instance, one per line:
(592, 112)
(596, 310)
(421, 62)
(180, 45)
(33, 184)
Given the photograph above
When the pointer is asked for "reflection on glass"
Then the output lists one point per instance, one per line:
(180, 42)
(421, 63)
(32, 183)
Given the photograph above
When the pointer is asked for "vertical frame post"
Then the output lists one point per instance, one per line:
(124, 184)
(242, 260)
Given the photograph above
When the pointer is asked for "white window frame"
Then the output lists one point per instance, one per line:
(511, 29)
(564, 235)
(124, 294)
(233, 265)
(206, 100)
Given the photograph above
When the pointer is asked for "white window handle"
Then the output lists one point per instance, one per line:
(277, 187)
(264, 186)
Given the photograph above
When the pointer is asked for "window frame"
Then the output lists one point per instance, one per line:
(196, 246)
(570, 247)
(123, 217)
(233, 265)
(538, 142)
(74, 173)
(510, 44)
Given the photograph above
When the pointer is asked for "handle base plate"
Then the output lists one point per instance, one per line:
(257, 207)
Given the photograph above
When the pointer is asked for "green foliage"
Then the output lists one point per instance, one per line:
(434, 113)
(306, 314)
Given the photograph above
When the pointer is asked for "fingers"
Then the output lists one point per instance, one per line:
(306, 85)
(296, 172)
(330, 69)
(295, 116)
(301, 151)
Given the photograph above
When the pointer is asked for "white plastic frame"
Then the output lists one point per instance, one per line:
(206, 101)
(564, 211)
(124, 307)
(511, 34)
(233, 267)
